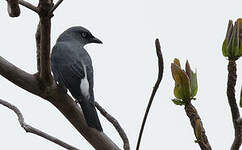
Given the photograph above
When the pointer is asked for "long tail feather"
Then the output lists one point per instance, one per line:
(90, 115)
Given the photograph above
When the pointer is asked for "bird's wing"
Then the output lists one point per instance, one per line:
(67, 70)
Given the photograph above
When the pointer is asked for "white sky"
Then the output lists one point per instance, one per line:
(126, 70)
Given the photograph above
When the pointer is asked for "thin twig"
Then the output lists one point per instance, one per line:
(55, 6)
(33, 130)
(160, 75)
(117, 126)
(232, 77)
(28, 5)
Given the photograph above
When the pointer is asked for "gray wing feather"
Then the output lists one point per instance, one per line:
(67, 71)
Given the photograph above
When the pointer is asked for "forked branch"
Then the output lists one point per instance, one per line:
(117, 126)
(29, 6)
(33, 130)
(55, 6)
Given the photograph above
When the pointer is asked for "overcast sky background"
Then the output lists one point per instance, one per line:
(126, 70)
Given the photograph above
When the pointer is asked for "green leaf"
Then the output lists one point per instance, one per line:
(177, 62)
(194, 85)
(178, 102)
(240, 49)
(224, 49)
(182, 88)
(234, 41)
(239, 21)
(193, 79)
(188, 69)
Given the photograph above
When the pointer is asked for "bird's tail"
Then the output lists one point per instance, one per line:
(90, 115)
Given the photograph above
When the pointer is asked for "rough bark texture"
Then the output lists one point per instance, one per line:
(232, 77)
(196, 123)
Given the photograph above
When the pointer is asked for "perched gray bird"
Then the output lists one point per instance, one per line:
(72, 69)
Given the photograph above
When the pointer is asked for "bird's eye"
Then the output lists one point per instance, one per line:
(84, 34)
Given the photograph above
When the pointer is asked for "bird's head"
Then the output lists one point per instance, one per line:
(80, 34)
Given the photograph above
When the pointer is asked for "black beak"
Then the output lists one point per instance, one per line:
(96, 40)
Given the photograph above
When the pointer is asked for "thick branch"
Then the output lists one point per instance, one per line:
(45, 74)
(19, 77)
(160, 75)
(196, 123)
(13, 8)
(72, 111)
(33, 130)
(45, 26)
(43, 86)
(232, 77)
(37, 39)
(64, 103)
(117, 126)
(239, 121)
(28, 5)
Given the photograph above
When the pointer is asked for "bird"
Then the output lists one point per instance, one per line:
(73, 70)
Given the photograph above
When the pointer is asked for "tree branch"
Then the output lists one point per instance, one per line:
(29, 6)
(117, 126)
(160, 75)
(37, 39)
(63, 102)
(44, 87)
(239, 121)
(72, 111)
(13, 8)
(19, 77)
(196, 123)
(232, 77)
(45, 27)
(55, 6)
(33, 130)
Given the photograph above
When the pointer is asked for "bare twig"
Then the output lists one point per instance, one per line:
(117, 126)
(197, 125)
(13, 8)
(28, 5)
(160, 75)
(232, 77)
(55, 6)
(33, 130)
